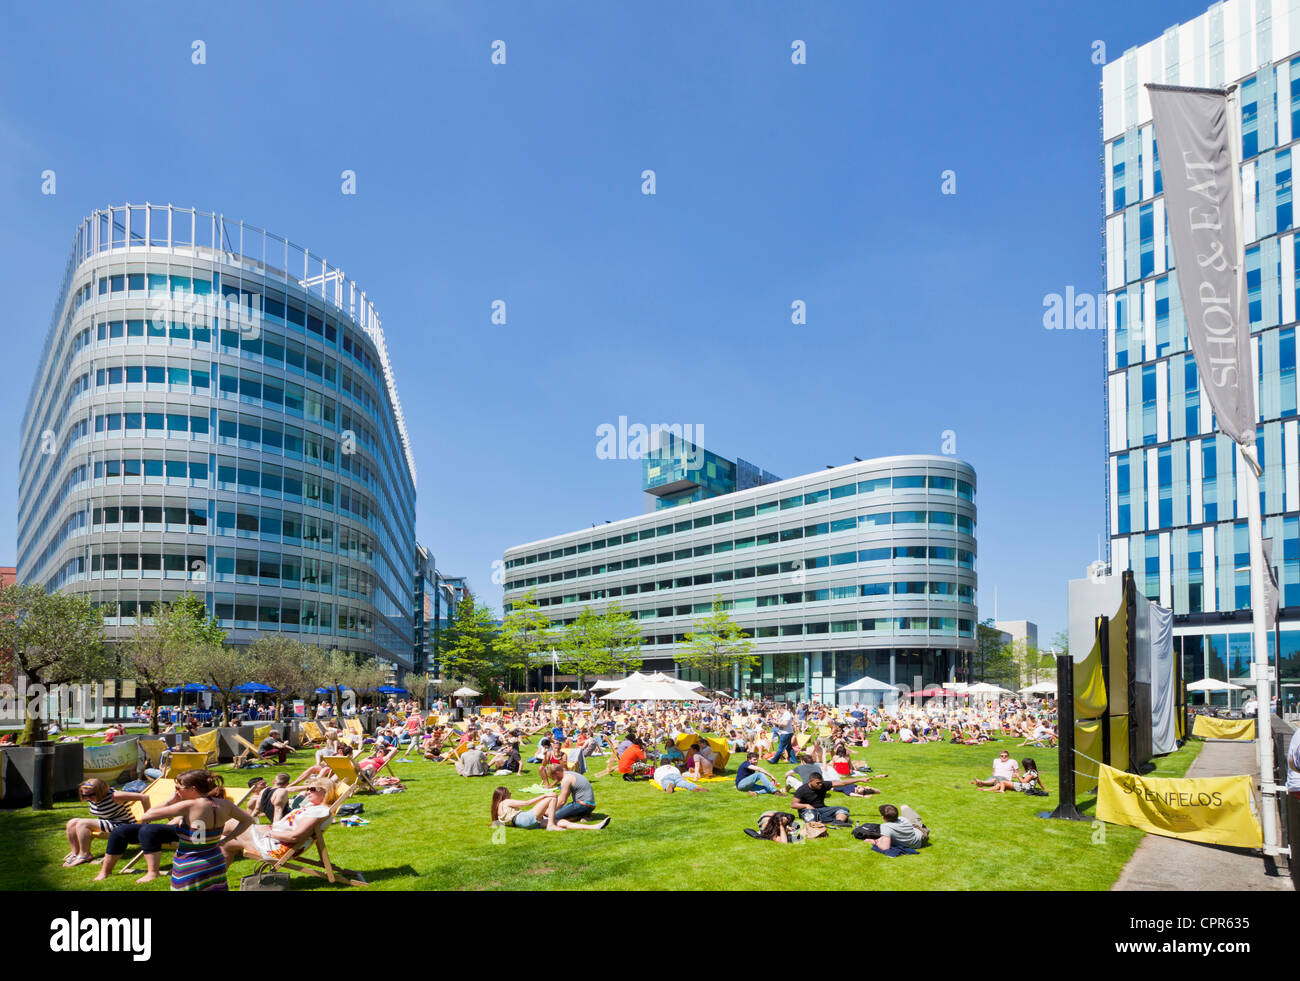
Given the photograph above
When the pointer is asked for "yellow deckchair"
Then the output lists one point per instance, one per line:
(354, 726)
(178, 763)
(313, 732)
(208, 743)
(152, 749)
(346, 771)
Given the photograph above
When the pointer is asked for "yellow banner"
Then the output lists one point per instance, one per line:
(207, 743)
(260, 733)
(1208, 727)
(1089, 686)
(1088, 747)
(1214, 810)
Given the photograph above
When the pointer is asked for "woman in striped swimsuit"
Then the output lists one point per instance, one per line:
(108, 809)
(199, 864)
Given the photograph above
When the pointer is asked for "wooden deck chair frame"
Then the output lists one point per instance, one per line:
(321, 866)
(347, 773)
(249, 754)
(237, 796)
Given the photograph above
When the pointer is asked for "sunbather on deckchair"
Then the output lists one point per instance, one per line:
(370, 767)
(108, 809)
(286, 835)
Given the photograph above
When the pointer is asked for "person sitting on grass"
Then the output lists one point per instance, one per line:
(701, 762)
(578, 786)
(900, 827)
(671, 754)
(472, 763)
(286, 835)
(508, 760)
(776, 826)
(1026, 779)
(108, 809)
(272, 745)
(670, 779)
(1004, 769)
(810, 799)
(632, 762)
(752, 779)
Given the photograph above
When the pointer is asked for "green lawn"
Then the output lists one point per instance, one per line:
(436, 836)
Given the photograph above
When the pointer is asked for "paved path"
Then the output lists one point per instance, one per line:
(1171, 864)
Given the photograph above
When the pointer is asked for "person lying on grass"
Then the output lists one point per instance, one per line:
(286, 835)
(904, 829)
(776, 827)
(1004, 769)
(577, 786)
(108, 809)
(810, 800)
(752, 779)
(670, 779)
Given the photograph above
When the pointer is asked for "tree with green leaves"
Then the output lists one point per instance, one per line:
(161, 648)
(600, 643)
(418, 685)
(338, 671)
(526, 633)
(717, 645)
(994, 661)
(468, 649)
(52, 638)
(281, 661)
(222, 669)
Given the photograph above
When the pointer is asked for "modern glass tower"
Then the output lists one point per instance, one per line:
(1176, 514)
(866, 569)
(215, 412)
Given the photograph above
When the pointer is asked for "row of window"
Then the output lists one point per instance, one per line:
(268, 524)
(267, 348)
(794, 568)
(264, 569)
(881, 626)
(305, 616)
(951, 519)
(913, 553)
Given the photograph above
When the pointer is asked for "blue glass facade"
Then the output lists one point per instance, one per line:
(1176, 515)
(215, 412)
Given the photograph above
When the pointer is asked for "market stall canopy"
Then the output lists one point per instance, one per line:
(930, 693)
(392, 690)
(1042, 688)
(190, 687)
(466, 692)
(983, 688)
(645, 690)
(605, 685)
(254, 688)
(1210, 684)
(869, 684)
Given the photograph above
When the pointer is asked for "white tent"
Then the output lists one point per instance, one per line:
(1042, 688)
(868, 684)
(983, 688)
(605, 685)
(643, 689)
(466, 692)
(1210, 684)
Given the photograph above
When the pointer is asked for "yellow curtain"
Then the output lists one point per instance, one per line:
(1089, 685)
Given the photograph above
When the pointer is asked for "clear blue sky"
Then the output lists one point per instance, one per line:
(521, 182)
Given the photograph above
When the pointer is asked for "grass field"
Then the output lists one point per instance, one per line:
(437, 836)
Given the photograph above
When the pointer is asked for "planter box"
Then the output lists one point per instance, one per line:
(19, 765)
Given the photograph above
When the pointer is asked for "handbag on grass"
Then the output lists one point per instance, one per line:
(265, 882)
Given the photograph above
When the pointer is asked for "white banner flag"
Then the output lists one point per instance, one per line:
(1192, 131)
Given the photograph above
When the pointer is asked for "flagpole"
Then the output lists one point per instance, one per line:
(1249, 470)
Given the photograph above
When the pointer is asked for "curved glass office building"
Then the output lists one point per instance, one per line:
(861, 570)
(215, 412)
